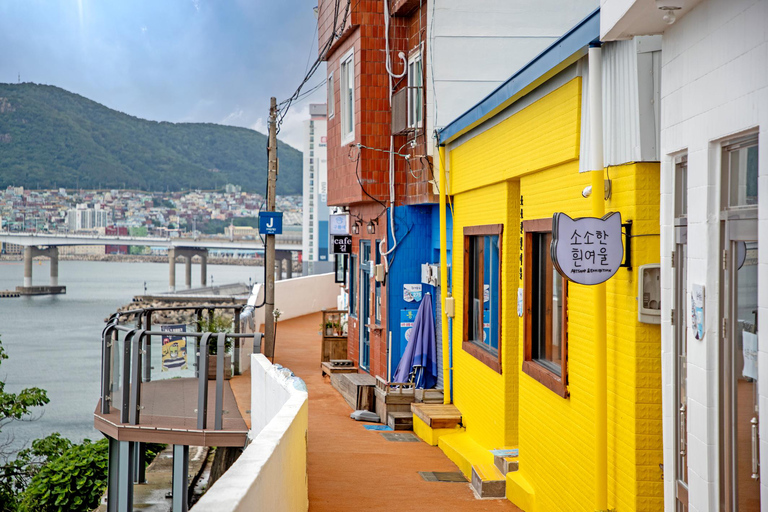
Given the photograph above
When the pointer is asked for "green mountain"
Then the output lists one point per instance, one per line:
(50, 137)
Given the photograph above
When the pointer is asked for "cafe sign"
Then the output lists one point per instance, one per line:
(342, 244)
(587, 250)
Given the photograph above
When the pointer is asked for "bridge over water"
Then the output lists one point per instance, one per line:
(47, 244)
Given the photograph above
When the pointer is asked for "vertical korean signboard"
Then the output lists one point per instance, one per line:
(588, 250)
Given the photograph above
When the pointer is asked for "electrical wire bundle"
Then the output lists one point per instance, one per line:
(285, 105)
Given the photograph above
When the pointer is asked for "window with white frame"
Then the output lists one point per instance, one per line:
(415, 91)
(347, 97)
(331, 97)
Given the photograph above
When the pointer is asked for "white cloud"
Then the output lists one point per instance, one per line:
(80, 12)
(144, 29)
(292, 129)
(233, 117)
(260, 125)
(196, 3)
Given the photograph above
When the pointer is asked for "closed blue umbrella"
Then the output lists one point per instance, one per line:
(420, 356)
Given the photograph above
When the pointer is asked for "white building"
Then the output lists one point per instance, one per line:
(315, 251)
(714, 231)
(102, 216)
(84, 218)
(474, 47)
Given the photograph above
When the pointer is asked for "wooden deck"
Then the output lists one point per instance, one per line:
(352, 469)
(169, 415)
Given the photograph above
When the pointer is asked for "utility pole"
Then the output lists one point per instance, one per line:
(269, 255)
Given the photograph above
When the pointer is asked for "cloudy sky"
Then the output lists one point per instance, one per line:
(215, 61)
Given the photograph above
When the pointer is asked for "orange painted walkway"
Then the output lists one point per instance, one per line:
(351, 468)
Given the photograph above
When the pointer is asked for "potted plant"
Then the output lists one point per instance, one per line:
(327, 327)
(216, 324)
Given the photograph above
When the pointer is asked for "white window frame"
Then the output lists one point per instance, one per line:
(331, 97)
(347, 103)
(415, 91)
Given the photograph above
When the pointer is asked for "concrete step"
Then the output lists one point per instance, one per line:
(400, 420)
(506, 464)
(488, 481)
(506, 460)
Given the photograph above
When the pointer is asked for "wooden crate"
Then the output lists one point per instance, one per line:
(400, 420)
(356, 388)
(333, 347)
(392, 397)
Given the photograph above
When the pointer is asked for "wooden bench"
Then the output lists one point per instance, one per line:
(437, 415)
(356, 388)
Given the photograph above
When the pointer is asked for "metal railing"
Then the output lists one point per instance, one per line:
(134, 360)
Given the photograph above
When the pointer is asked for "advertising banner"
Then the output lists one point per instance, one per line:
(412, 292)
(697, 311)
(174, 347)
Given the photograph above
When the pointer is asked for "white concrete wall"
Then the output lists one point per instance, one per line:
(294, 298)
(714, 86)
(301, 296)
(473, 47)
(271, 474)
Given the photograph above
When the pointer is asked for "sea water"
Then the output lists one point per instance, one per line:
(54, 342)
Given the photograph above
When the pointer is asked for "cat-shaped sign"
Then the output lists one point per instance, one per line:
(587, 250)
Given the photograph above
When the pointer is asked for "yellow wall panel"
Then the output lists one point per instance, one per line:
(532, 157)
(487, 400)
(563, 429)
(541, 135)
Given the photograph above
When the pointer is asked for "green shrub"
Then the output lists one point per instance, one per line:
(152, 450)
(73, 482)
(216, 323)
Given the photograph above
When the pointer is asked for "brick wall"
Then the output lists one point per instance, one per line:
(378, 339)
(357, 177)
(365, 34)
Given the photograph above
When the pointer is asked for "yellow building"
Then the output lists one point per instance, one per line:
(522, 348)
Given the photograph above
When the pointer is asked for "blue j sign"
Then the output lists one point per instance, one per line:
(271, 223)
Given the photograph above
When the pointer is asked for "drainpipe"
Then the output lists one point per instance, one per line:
(444, 325)
(598, 305)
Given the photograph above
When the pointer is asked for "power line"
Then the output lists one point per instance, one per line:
(285, 105)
